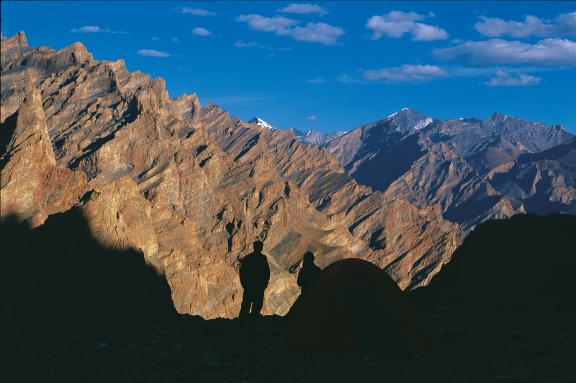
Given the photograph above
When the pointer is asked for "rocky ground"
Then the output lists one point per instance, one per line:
(467, 347)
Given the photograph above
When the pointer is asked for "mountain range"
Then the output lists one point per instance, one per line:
(191, 187)
(311, 136)
(473, 169)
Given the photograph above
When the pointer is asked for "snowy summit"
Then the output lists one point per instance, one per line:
(260, 122)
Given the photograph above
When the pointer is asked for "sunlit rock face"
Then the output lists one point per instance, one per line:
(33, 185)
(190, 186)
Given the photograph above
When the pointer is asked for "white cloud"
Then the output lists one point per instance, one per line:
(312, 117)
(199, 31)
(396, 24)
(87, 29)
(155, 38)
(317, 80)
(405, 73)
(196, 11)
(277, 24)
(312, 32)
(95, 29)
(152, 53)
(424, 32)
(503, 78)
(563, 25)
(317, 33)
(548, 52)
(303, 9)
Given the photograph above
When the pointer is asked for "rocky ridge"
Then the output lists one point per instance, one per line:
(189, 185)
(315, 137)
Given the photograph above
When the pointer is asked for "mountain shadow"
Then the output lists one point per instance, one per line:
(522, 264)
(58, 277)
(389, 163)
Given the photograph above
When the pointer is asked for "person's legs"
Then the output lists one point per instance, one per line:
(244, 309)
(257, 303)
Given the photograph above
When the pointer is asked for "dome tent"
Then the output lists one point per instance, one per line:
(354, 307)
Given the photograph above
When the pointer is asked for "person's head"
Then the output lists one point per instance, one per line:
(258, 246)
(308, 257)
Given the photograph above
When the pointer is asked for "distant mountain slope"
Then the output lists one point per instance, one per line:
(453, 163)
(315, 137)
(545, 182)
(311, 136)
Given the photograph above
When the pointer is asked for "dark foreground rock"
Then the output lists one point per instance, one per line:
(467, 348)
(522, 264)
(473, 337)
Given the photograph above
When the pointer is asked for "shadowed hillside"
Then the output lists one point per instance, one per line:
(58, 277)
(523, 263)
(92, 314)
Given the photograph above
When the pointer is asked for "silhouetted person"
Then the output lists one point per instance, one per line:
(254, 277)
(308, 273)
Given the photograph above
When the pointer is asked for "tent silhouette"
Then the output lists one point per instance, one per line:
(352, 308)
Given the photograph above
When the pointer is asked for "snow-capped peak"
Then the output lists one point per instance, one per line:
(260, 122)
(423, 123)
(396, 113)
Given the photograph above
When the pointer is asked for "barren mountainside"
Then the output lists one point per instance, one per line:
(191, 186)
(473, 169)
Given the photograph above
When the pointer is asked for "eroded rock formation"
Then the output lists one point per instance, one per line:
(191, 186)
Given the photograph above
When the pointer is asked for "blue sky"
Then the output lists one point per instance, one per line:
(332, 65)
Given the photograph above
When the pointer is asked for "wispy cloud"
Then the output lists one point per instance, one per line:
(317, 80)
(396, 24)
(199, 31)
(563, 25)
(405, 73)
(548, 52)
(196, 11)
(345, 78)
(304, 8)
(152, 53)
(505, 79)
(321, 33)
(237, 100)
(96, 29)
(492, 76)
(312, 117)
(249, 44)
(256, 45)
